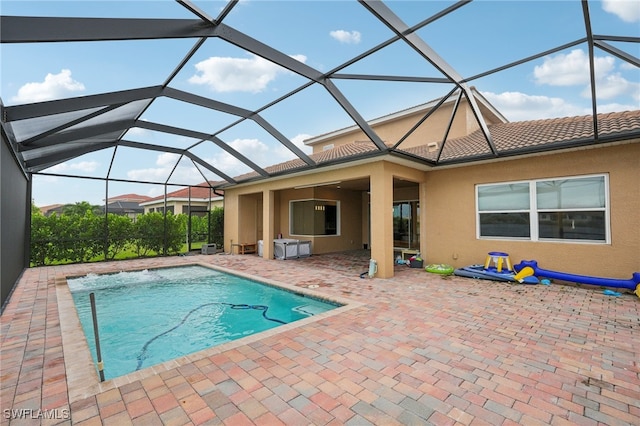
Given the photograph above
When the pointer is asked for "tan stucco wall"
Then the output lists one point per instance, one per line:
(431, 130)
(450, 221)
(249, 209)
(447, 211)
(244, 207)
(248, 202)
(350, 215)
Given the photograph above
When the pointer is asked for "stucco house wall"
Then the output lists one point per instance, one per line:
(350, 236)
(366, 188)
(245, 207)
(395, 126)
(450, 212)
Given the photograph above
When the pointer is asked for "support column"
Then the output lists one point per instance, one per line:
(231, 222)
(422, 197)
(268, 223)
(381, 186)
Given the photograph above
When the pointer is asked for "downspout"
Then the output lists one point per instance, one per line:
(106, 219)
(215, 191)
(164, 221)
(209, 218)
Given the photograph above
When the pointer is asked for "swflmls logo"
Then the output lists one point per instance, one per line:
(28, 413)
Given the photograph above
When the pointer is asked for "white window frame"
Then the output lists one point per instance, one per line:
(338, 220)
(534, 211)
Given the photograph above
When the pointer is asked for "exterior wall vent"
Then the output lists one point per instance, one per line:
(432, 146)
(327, 147)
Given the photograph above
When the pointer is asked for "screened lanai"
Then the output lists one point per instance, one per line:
(99, 100)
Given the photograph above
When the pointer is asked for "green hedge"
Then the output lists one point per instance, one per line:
(82, 234)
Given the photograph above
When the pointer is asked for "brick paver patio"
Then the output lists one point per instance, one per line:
(415, 349)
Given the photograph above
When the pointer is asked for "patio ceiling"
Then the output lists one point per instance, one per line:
(46, 134)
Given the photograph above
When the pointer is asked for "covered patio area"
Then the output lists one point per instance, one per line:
(414, 349)
(336, 210)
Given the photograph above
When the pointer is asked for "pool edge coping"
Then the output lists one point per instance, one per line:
(81, 374)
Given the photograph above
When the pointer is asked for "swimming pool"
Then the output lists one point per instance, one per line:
(151, 316)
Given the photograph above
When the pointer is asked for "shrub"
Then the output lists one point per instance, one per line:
(150, 230)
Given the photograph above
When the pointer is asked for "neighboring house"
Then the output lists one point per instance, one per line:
(553, 195)
(129, 198)
(51, 209)
(200, 197)
(126, 205)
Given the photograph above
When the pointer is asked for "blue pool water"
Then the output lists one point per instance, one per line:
(152, 316)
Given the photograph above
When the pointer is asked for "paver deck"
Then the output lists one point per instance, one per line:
(415, 349)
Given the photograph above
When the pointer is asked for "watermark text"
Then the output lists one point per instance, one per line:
(37, 414)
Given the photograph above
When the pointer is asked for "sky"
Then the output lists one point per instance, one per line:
(324, 35)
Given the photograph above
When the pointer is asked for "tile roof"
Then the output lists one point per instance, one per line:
(530, 135)
(129, 197)
(340, 152)
(197, 192)
(46, 209)
(124, 207)
(508, 138)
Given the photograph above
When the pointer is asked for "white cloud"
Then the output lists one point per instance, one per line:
(155, 191)
(152, 174)
(348, 37)
(570, 69)
(253, 149)
(282, 153)
(517, 106)
(627, 10)
(628, 67)
(185, 172)
(138, 131)
(259, 152)
(54, 86)
(167, 159)
(225, 74)
(615, 107)
(81, 166)
(250, 148)
(573, 69)
(614, 85)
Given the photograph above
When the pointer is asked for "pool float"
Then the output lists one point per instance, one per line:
(491, 273)
(529, 268)
(439, 268)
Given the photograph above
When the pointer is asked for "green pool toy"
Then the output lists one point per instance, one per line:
(439, 268)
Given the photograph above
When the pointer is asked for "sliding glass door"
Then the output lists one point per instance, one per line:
(406, 225)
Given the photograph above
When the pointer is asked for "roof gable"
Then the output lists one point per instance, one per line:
(509, 139)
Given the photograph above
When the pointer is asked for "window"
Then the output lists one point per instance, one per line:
(161, 209)
(195, 210)
(314, 217)
(574, 209)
